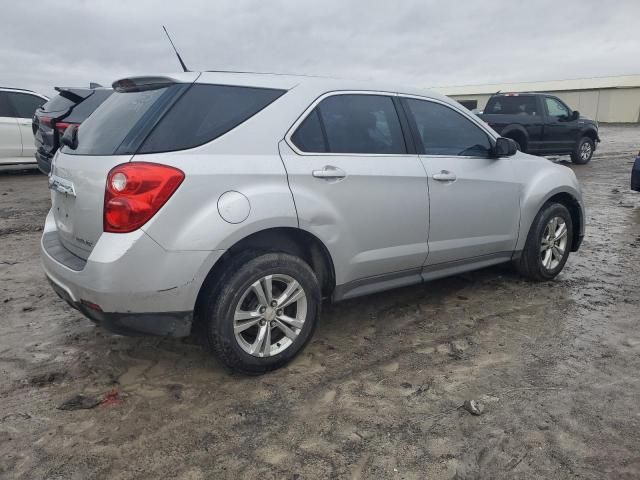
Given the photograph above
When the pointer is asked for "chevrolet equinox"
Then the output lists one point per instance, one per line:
(229, 205)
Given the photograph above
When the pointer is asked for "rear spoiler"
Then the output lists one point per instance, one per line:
(76, 95)
(140, 84)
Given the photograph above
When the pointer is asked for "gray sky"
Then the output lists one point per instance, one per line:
(424, 43)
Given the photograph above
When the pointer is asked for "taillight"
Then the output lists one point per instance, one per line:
(135, 192)
(62, 126)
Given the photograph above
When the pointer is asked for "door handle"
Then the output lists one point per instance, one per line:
(445, 176)
(329, 172)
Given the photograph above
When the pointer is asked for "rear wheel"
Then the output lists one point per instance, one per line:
(548, 243)
(263, 313)
(583, 151)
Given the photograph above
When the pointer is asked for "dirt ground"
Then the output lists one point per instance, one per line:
(374, 395)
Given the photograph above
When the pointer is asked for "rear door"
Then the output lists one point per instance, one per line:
(474, 199)
(10, 140)
(357, 187)
(24, 106)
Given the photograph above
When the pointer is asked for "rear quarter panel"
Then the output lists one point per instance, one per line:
(245, 160)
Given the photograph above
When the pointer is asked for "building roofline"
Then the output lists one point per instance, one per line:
(590, 83)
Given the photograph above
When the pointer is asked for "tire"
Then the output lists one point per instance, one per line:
(583, 152)
(534, 261)
(518, 147)
(236, 297)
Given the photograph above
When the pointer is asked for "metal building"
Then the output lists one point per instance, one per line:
(606, 99)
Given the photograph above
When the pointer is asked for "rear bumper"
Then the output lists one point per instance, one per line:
(129, 283)
(44, 162)
(173, 324)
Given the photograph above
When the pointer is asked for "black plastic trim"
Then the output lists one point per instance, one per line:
(168, 324)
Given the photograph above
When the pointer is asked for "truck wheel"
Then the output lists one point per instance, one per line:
(548, 243)
(583, 151)
(263, 312)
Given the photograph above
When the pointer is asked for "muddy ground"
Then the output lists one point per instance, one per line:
(375, 394)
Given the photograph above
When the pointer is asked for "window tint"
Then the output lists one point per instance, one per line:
(309, 137)
(366, 124)
(512, 105)
(57, 104)
(206, 112)
(5, 108)
(167, 118)
(443, 131)
(123, 116)
(555, 108)
(24, 104)
(85, 108)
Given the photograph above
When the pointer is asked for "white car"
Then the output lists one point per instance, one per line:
(17, 107)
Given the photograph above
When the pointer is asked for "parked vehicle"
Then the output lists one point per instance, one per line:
(233, 203)
(70, 107)
(16, 139)
(542, 124)
(635, 175)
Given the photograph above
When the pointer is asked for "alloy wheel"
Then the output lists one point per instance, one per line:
(554, 243)
(585, 151)
(270, 315)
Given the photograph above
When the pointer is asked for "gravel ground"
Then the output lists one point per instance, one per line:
(377, 392)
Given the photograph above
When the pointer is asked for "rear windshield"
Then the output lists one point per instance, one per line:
(81, 111)
(512, 105)
(168, 118)
(57, 104)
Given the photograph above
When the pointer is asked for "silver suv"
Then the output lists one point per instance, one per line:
(229, 205)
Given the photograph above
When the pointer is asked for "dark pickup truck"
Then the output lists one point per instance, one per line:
(542, 125)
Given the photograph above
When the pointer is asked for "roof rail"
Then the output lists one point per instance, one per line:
(19, 89)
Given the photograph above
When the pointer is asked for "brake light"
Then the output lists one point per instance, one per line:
(135, 192)
(62, 126)
(46, 121)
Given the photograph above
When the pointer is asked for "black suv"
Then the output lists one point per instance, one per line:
(542, 124)
(70, 107)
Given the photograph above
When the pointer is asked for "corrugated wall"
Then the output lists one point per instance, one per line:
(615, 105)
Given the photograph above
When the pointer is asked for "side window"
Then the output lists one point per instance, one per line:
(309, 136)
(204, 113)
(24, 104)
(555, 108)
(512, 105)
(364, 124)
(5, 109)
(443, 131)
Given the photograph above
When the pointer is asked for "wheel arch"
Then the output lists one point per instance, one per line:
(590, 133)
(577, 220)
(294, 241)
(517, 133)
(569, 199)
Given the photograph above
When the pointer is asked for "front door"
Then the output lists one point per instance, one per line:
(560, 129)
(474, 199)
(357, 189)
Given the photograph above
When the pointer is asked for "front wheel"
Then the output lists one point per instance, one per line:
(548, 243)
(583, 151)
(263, 312)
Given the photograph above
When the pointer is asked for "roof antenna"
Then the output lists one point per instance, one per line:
(184, 67)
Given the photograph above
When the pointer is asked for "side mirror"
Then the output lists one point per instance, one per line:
(575, 115)
(504, 147)
(70, 137)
